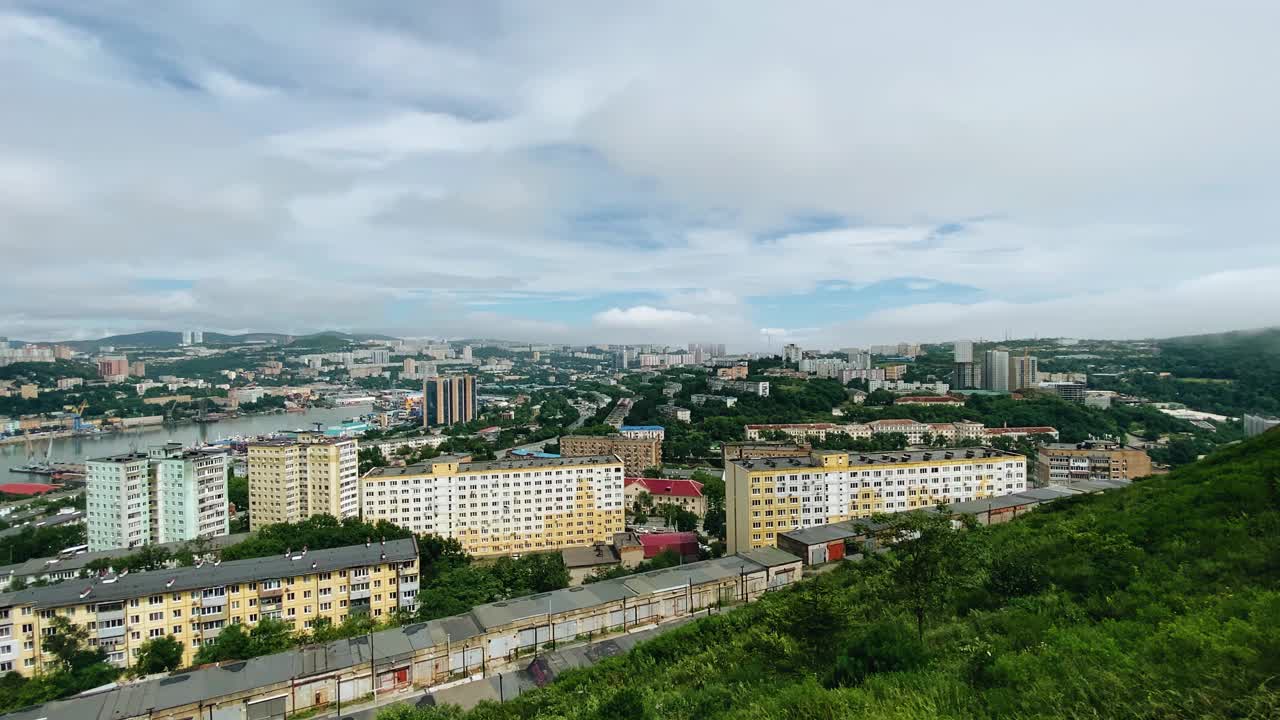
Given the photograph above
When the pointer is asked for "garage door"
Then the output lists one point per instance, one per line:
(270, 709)
(500, 647)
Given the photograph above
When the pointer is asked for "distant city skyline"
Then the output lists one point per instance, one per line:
(580, 172)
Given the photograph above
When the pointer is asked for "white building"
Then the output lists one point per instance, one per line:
(902, 386)
(168, 494)
(504, 506)
(676, 412)
(742, 386)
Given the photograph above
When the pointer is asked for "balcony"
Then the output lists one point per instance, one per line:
(270, 593)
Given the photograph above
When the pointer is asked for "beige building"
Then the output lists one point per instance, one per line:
(638, 454)
(768, 496)
(292, 479)
(501, 507)
(194, 604)
(1066, 463)
(686, 494)
(760, 449)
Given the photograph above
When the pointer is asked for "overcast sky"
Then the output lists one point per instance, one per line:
(837, 174)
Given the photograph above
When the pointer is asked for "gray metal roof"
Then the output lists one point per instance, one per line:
(1046, 494)
(40, 566)
(821, 534)
(977, 507)
(857, 459)
(210, 575)
(769, 556)
(424, 468)
(158, 694)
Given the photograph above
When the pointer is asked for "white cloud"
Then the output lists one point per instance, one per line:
(304, 155)
(645, 317)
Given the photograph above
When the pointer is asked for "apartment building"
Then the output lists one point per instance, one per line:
(503, 506)
(194, 604)
(642, 432)
(733, 372)
(167, 494)
(291, 479)
(768, 496)
(637, 453)
(760, 449)
(916, 432)
(740, 386)
(1068, 463)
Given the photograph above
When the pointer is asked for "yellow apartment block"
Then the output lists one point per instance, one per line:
(504, 506)
(195, 604)
(768, 496)
(292, 479)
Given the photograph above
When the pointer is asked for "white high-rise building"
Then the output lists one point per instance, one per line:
(859, 360)
(995, 370)
(791, 354)
(197, 337)
(168, 494)
(186, 337)
(964, 351)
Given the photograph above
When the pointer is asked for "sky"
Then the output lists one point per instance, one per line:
(835, 174)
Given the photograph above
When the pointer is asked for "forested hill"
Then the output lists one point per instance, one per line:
(1161, 600)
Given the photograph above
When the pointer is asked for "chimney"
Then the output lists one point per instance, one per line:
(304, 551)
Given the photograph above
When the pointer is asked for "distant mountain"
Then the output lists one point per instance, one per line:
(160, 339)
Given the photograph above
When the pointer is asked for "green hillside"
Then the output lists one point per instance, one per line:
(1158, 601)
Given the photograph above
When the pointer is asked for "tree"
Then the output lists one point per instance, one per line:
(677, 517)
(238, 491)
(932, 560)
(371, 458)
(157, 655)
(67, 644)
(652, 472)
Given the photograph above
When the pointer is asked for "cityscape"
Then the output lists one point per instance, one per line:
(654, 362)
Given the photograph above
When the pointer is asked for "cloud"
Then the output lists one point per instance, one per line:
(645, 317)
(310, 165)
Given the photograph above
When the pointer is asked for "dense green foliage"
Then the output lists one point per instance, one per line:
(1161, 600)
(35, 542)
(1228, 373)
(158, 655)
(75, 667)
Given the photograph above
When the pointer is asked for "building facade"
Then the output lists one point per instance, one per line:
(1258, 424)
(995, 370)
(1068, 463)
(502, 507)
(686, 494)
(768, 496)
(194, 604)
(448, 399)
(1023, 372)
(638, 454)
(168, 494)
(292, 479)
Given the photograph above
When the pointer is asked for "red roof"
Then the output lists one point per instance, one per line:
(21, 488)
(684, 543)
(663, 487)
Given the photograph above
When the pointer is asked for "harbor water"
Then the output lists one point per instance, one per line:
(79, 449)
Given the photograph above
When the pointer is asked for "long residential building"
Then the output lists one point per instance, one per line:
(167, 494)
(915, 431)
(439, 653)
(638, 453)
(739, 386)
(768, 496)
(194, 604)
(291, 479)
(502, 507)
(1068, 463)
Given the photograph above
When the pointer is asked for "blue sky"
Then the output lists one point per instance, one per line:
(841, 174)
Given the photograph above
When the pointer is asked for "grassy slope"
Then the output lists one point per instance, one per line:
(1159, 601)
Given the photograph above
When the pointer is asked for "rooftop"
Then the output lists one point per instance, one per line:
(131, 585)
(868, 459)
(668, 487)
(40, 566)
(522, 463)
